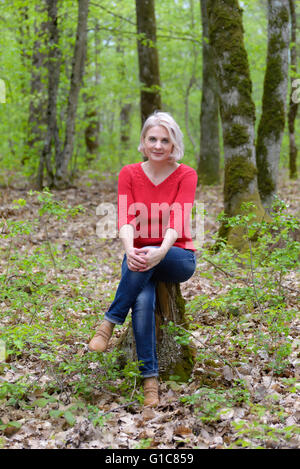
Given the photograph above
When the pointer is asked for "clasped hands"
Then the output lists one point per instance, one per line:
(143, 259)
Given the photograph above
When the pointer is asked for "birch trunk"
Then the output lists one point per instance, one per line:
(271, 126)
(148, 58)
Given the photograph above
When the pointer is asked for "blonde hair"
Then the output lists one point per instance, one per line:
(165, 120)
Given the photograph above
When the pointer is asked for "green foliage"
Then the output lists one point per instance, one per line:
(37, 321)
(111, 78)
(54, 208)
(263, 432)
(251, 320)
(211, 403)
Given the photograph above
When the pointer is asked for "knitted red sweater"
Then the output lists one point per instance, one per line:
(151, 209)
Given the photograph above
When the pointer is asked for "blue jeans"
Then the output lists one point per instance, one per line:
(136, 290)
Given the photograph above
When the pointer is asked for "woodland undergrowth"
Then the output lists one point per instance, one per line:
(57, 279)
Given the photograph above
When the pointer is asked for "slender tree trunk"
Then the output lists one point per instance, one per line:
(237, 110)
(23, 37)
(293, 107)
(271, 126)
(125, 127)
(125, 106)
(92, 131)
(192, 81)
(209, 161)
(38, 102)
(63, 158)
(148, 58)
(53, 81)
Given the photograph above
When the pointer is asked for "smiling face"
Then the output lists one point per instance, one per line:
(158, 145)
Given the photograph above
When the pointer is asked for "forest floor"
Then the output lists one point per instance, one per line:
(57, 279)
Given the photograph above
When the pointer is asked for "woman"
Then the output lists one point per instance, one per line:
(155, 198)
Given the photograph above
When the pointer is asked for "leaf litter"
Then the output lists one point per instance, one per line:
(268, 419)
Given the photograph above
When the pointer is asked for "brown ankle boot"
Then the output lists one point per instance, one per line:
(151, 392)
(100, 340)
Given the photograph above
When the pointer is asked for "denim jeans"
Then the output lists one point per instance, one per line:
(136, 290)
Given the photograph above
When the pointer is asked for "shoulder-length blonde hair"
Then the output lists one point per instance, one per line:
(166, 120)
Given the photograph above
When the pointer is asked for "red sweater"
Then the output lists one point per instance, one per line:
(152, 209)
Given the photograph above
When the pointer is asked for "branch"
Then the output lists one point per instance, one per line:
(184, 38)
(127, 404)
(228, 274)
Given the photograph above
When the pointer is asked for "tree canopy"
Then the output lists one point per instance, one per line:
(111, 77)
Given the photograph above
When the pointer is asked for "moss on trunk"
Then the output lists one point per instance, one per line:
(239, 173)
(237, 113)
(271, 125)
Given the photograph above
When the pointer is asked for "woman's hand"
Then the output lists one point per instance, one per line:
(135, 259)
(151, 257)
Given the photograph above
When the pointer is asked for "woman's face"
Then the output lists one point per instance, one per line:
(158, 145)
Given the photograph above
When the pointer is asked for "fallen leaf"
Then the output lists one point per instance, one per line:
(182, 430)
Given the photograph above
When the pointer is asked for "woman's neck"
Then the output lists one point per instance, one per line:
(160, 167)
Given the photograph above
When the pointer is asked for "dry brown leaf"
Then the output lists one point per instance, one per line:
(182, 430)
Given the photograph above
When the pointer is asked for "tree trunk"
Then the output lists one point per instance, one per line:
(92, 117)
(53, 81)
(293, 107)
(148, 58)
(271, 126)
(237, 111)
(63, 158)
(125, 128)
(192, 81)
(125, 105)
(209, 161)
(91, 133)
(173, 358)
(38, 92)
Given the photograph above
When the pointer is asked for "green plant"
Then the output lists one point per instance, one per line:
(246, 326)
(209, 403)
(255, 286)
(144, 443)
(10, 425)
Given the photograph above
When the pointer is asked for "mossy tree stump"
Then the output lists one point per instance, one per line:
(173, 358)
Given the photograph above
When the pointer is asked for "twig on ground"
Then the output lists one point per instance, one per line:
(127, 404)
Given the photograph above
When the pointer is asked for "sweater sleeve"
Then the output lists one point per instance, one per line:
(125, 197)
(182, 206)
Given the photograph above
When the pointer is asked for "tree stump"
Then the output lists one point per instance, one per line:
(173, 358)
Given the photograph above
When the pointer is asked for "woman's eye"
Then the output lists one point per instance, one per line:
(165, 140)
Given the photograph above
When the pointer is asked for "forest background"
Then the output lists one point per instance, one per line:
(52, 260)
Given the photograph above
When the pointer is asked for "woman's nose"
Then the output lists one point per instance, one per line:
(157, 144)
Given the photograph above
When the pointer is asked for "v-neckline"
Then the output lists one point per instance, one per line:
(157, 185)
